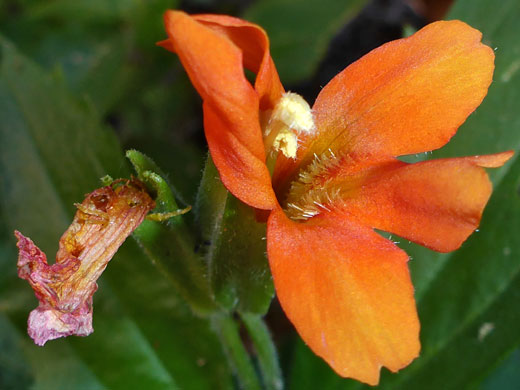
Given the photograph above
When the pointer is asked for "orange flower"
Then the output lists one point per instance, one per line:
(346, 289)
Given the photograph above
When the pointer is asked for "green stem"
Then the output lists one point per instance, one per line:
(169, 244)
(171, 250)
(234, 249)
(265, 350)
(238, 358)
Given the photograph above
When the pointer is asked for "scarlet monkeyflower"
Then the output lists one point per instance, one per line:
(329, 176)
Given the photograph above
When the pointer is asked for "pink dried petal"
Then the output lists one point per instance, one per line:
(64, 290)
(48, 324)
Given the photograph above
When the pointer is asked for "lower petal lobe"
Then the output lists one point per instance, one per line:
(347, 291)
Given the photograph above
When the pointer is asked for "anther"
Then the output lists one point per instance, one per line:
(290, 117)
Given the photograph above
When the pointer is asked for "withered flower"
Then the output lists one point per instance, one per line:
(103, 221)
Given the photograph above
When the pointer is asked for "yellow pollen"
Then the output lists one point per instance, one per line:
(287, 142)
(291, 116)
(294, 112)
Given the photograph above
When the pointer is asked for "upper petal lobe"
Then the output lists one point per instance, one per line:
(243, 174)
(215, 66)
(407, 96)
(254, 44)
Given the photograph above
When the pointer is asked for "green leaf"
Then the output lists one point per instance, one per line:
(506, 376)
(25, 366)
(84, 10)
(53, 151)
(31, 119)
(300, 31)
(234, 243)
(89, 63)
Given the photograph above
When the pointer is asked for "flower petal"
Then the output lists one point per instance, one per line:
(410, 95)
(436, 203)
(214, 65)
(347, 291)
(491, 160)
(407, 96)
(254, 44)
(242, 173)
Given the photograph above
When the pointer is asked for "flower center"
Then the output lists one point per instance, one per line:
(314, 191)
(290, 117)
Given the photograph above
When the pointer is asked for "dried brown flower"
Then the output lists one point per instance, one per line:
(103, 221)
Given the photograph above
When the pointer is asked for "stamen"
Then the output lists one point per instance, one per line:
(313, 192)
(295, 113)
(290, 117)
(287, 142)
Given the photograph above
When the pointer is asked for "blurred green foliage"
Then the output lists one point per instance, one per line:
(300, 31)
(82, 80)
